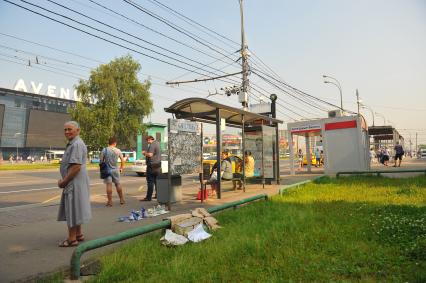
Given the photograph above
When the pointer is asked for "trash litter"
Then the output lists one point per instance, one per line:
(198, 234)
(184, 227)
(136, 215)
(173, 239)
(190, 225)
(200, 212)
(211, 222)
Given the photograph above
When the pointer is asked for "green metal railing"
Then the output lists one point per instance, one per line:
(101, 242)
(295, 185)
(379, 172)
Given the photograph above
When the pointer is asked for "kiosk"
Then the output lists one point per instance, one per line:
(345, 142)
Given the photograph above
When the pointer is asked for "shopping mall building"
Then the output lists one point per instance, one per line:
(32, 118)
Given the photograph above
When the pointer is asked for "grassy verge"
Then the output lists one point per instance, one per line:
(355, 229)
(35, 166)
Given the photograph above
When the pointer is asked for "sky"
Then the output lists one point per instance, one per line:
(377, 47)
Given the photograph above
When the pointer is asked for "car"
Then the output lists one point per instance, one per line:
(139, 166)
(313, 160)
(235, 161)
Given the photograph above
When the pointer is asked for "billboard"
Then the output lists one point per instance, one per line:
(46, 129)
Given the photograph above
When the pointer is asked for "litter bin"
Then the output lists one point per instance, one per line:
(166, 193)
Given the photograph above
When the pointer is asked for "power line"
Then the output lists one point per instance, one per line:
(104, 39)
(157, 32)
(51, 48)
(178, 29)
(67, 75)
(131, 35)
(115, 36)
(42, 56)
(189, 20)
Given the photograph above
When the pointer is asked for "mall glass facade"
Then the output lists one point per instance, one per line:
(28, 122)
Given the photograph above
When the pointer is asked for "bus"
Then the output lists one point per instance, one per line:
(129, 156)
(54, 156)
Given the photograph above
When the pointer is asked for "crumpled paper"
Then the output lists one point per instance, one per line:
(198, 234)
(173, 239)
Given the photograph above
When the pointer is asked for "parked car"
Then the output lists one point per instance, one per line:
(139, 166)
(313, 160)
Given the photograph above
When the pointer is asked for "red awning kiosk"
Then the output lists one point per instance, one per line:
(345, 143)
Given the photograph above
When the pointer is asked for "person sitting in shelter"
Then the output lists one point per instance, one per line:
(225, 172)
(249, 164)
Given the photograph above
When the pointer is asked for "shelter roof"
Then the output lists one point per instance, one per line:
(384, 133)
(204, 110)
(380, 130)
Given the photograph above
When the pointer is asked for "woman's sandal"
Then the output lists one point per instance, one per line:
(122, 202)
(108, 204)
(80, 238)
(66, 244)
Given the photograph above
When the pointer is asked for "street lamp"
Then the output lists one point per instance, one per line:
(16, 137)
(381, 115)
(368, 108)
(336, 83)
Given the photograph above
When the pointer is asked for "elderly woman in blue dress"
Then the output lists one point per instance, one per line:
(75, 200)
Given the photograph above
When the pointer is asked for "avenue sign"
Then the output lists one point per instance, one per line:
(50, 90)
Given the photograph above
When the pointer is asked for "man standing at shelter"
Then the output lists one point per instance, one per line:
(110, 155)
(153, 166)
(75, 200)
(399, 152)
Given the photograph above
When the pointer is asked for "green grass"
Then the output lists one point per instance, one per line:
(27, 166)
(355, 229)
(34, 166)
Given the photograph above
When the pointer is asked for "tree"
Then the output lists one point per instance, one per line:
(112, 102)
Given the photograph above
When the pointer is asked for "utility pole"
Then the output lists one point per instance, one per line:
(243, 96)
(357, 99)
(416, 143)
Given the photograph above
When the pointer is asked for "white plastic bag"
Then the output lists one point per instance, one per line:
(198, 234)
(173, 239)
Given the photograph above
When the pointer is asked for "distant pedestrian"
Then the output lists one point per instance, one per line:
(386, 156)
(300, 156)
(317, 157)
(75, 199)
(153, 167)
(399, 152)
(110, 155)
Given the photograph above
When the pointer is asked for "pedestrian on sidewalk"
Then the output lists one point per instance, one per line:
(300, 156)
(317, 157)
(110, 155)
(386, 156)
(153, 166)
(75, 199)
(399, 152)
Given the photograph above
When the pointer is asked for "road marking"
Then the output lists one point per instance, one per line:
(55, 197)
(51, 188)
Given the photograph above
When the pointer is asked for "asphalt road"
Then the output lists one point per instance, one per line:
(22, 188)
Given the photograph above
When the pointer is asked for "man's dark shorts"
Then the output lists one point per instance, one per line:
(398, 156)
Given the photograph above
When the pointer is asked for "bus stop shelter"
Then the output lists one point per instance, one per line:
(345, 142)
(207, 111)
(382, 136)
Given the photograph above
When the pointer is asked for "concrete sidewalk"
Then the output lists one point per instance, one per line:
(30, 236)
